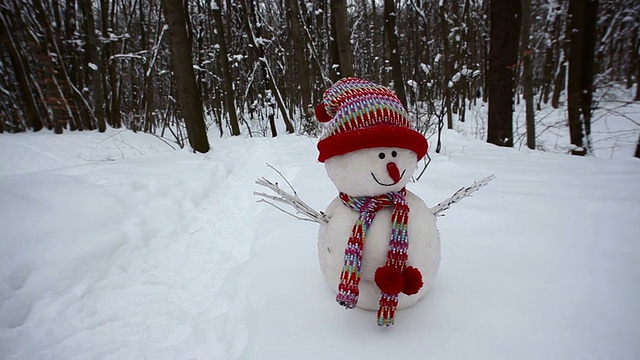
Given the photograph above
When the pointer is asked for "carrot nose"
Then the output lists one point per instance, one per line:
(393, 171)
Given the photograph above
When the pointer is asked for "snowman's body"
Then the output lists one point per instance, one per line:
(367, 173)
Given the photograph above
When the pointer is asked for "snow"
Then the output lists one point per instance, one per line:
(116, 246)
(425, 68)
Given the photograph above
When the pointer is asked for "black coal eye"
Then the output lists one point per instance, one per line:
(394, 154)
(381, 155)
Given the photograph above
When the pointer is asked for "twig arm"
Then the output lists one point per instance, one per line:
(302, 210)
(459, 195)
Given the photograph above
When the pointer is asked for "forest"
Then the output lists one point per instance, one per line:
(257, 67)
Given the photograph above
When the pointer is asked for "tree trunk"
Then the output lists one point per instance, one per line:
(334, 54)
(633, 56)
(637, 154)
(186, 88)
(582, 23)
(503, 57)
(446, 63)
(558, 85)
(394, 50)
(229, 95)
(95, 63)
(271, 81)
(527, 74)
(546, 77)
(22, 74)
(303, 65)
(563, 39)
(637, 64)
(55, 96)
(339, 15)
(104, 61)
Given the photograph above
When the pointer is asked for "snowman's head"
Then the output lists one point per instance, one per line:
(368, 146)
(372, 171)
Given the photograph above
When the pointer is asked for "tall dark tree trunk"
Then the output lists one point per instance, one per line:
(394, 50)
(335, 73)
(582, 25)
(633, 56)
(446, 63)
(343, 41)
(104, 61)
(95, 63)
(527, 74)
(302, 64)
(563, 39)
(229, 95)
(186, 88)
(22, 74)
(637, 154)
(503, 58)
(546, 77)
(637, 61)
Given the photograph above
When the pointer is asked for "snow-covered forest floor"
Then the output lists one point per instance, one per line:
(117, 246)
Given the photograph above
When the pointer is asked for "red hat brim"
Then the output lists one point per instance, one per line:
(372, 137)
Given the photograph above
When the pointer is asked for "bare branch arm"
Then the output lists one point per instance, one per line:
(459, 195)
(302, 210)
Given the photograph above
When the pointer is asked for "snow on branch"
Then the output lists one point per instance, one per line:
(302, 210)
(459, 195)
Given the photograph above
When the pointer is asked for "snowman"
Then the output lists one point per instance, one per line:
(380, 249)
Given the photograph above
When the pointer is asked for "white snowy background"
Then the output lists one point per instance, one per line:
(117, 246)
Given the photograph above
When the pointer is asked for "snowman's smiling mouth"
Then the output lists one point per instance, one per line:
(383, 184)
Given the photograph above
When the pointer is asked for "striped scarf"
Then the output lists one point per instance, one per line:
(392, 278)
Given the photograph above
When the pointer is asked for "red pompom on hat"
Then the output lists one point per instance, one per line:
(321, 114)
(360, 115)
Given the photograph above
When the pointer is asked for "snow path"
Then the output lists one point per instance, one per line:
(169, 230)
(166, 255)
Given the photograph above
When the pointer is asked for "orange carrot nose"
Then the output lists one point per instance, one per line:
(393, 171)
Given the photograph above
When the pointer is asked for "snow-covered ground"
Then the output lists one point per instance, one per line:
(116, 246)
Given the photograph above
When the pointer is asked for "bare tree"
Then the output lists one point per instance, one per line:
(446, 62)
(226, 70)
(582, 25)
(342, 38)
(302, 63)
(94, 62)
(257, 48)
(635, 57)
(394, 50)
(503, 57)
(186, 88)
(22, 74)
(527, 73)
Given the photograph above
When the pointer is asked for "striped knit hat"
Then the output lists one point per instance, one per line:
(360, 115)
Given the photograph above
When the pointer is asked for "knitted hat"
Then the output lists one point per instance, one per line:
(361, 115)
